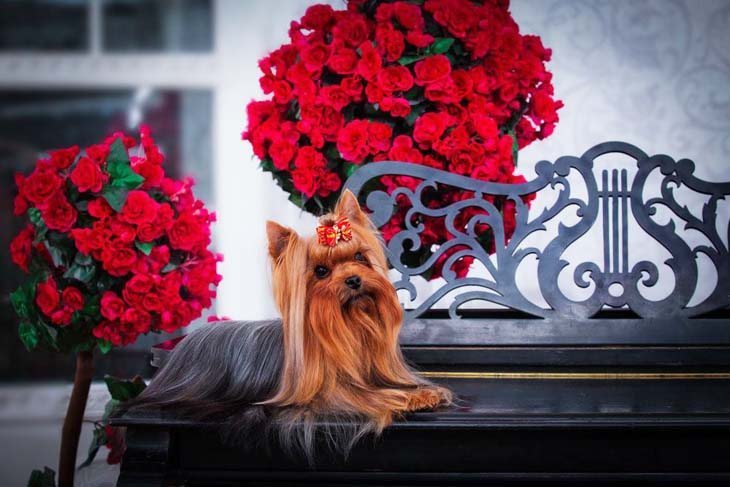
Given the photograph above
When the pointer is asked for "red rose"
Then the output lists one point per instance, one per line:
(403, 150)
(395, 78)
(159, 258)
(370, 62)
(309, 157)
(315, 56)
(112, 306)
(329, 182)
(379, 135)
(352, 141)
(20, 204)
(99, 208)
(408, 15)
(72, 298)
(21, 246)
(343, 61)
(62, 317)
(305, 181)
(351, 29)
(153, 302)
(429, 128)
(137, 318)
(118, 260)
(47, 297)
(86, 240)
(139, 284)
(432, 69)
(58, 214)
(40, 185)
(150, 171)
(87, 176)
(544, 108)
(139, 208)
(390, 42)
(374, 93)
(398, 107)
(353, 88)
(282, 152)
(419, 39)
(121, 232)
(334, 96)
(186, 232)
(149, 232)
(98, 152)
(63, 158)
(317, 17)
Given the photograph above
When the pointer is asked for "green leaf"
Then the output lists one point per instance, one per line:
(83, 259)
(124, 389)
(97, 441)
(117, 153)
(169, 268)
(34, 215)
(267, 165)
(82, 273)
(416, 112)
(349, 169)
(104, 346)
(115, 196)
(20, 300)
(119, 169)
(441, 45)
(58, 255)
(45, 478)
(28, 335)
(515, 146)
(331, 153)
(82, 205)
(406, 60)
(297, 199)
(144, 247)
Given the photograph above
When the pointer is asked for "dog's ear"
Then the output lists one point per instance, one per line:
(279, 237)
(348, 206)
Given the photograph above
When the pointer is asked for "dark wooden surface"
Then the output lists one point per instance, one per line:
(668, 427)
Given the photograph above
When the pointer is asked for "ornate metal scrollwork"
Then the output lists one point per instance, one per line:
(611, 199)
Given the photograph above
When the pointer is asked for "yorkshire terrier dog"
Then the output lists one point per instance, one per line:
(331, 370)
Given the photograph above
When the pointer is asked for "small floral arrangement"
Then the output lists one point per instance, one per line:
(450, 84)
(113, 248)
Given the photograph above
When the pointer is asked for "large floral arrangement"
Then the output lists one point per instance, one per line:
(450, 84)
(113, 248)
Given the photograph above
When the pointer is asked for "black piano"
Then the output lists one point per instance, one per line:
(624, 379)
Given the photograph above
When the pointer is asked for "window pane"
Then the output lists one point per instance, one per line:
(158, 25)
(44, 25)
(32, 122)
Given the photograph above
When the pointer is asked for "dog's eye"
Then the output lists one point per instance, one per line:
(321, 271)
(360, 258)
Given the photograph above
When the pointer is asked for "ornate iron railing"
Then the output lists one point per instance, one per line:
(610, 200)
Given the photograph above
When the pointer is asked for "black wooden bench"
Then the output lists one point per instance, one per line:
(610, 387)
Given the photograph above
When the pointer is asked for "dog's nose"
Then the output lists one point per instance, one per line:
(353, 282)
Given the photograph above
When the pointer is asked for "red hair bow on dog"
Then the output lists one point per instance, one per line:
(330, 235)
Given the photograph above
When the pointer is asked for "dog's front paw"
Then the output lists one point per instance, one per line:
(429, 398)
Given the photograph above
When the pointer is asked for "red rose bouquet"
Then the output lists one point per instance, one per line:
(113, 248)
(450, 84)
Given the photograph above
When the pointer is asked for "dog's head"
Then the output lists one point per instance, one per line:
(342, 270)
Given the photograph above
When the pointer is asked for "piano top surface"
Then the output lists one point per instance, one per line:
(584, 399)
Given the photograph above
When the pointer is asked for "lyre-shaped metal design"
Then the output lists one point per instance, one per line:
(611, 201)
